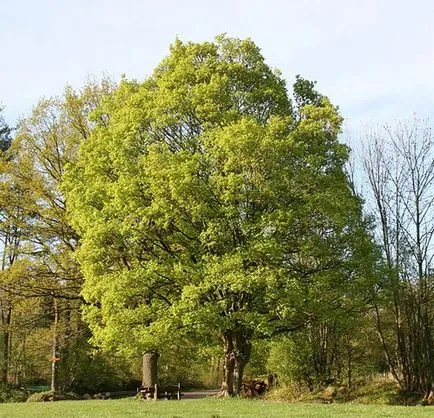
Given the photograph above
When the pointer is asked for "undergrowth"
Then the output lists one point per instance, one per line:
(378, 390)
(9, 393)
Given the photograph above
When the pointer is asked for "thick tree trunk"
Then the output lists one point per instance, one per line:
(227, 388)
(150, 369)
(237, 348)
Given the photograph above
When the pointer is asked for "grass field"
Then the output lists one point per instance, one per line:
(209, 408)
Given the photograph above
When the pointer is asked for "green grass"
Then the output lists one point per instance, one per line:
(209, 408)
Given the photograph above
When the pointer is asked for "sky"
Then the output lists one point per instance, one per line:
(374, 59)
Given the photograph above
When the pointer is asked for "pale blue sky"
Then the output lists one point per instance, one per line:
(375, 59)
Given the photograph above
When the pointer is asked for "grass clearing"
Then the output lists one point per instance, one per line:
(209, 408)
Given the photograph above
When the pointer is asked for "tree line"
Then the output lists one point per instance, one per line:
(207, 215)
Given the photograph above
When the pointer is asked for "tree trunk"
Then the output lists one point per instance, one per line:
(150, 369)
(215, 371)
(237, 348)
(6, 320)
(55, 350)
(227, 388)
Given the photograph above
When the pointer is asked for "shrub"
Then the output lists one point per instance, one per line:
(11, 394)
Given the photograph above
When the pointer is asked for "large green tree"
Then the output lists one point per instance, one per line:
(209, 206)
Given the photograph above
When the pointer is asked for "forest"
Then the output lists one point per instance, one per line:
(213, 222)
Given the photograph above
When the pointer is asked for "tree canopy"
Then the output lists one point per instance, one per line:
(210, 203)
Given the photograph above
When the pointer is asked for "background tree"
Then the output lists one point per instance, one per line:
(209, 207)
(399, 170)
(5, 133)
(45, 272)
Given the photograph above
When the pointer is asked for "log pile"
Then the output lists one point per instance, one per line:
(253, 388)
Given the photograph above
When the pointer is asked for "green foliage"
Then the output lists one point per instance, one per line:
(207, 206)
(371, 390)
(9, 393)
(185, 362)
(257, 366)
(5, 133)
(85, 370)
(38, 268)
(338, 352)
(305, 93)
(283, 361)
(157, 183)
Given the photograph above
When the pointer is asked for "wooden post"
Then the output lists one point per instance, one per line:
(179, 391)
(155, 391)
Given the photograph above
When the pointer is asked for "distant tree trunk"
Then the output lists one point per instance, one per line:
(55, 349)
(216, 371)
(10, 241)
(150, 369)
(6, 322)
(349, 366)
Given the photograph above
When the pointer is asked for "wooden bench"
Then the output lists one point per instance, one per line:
(161, 391)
